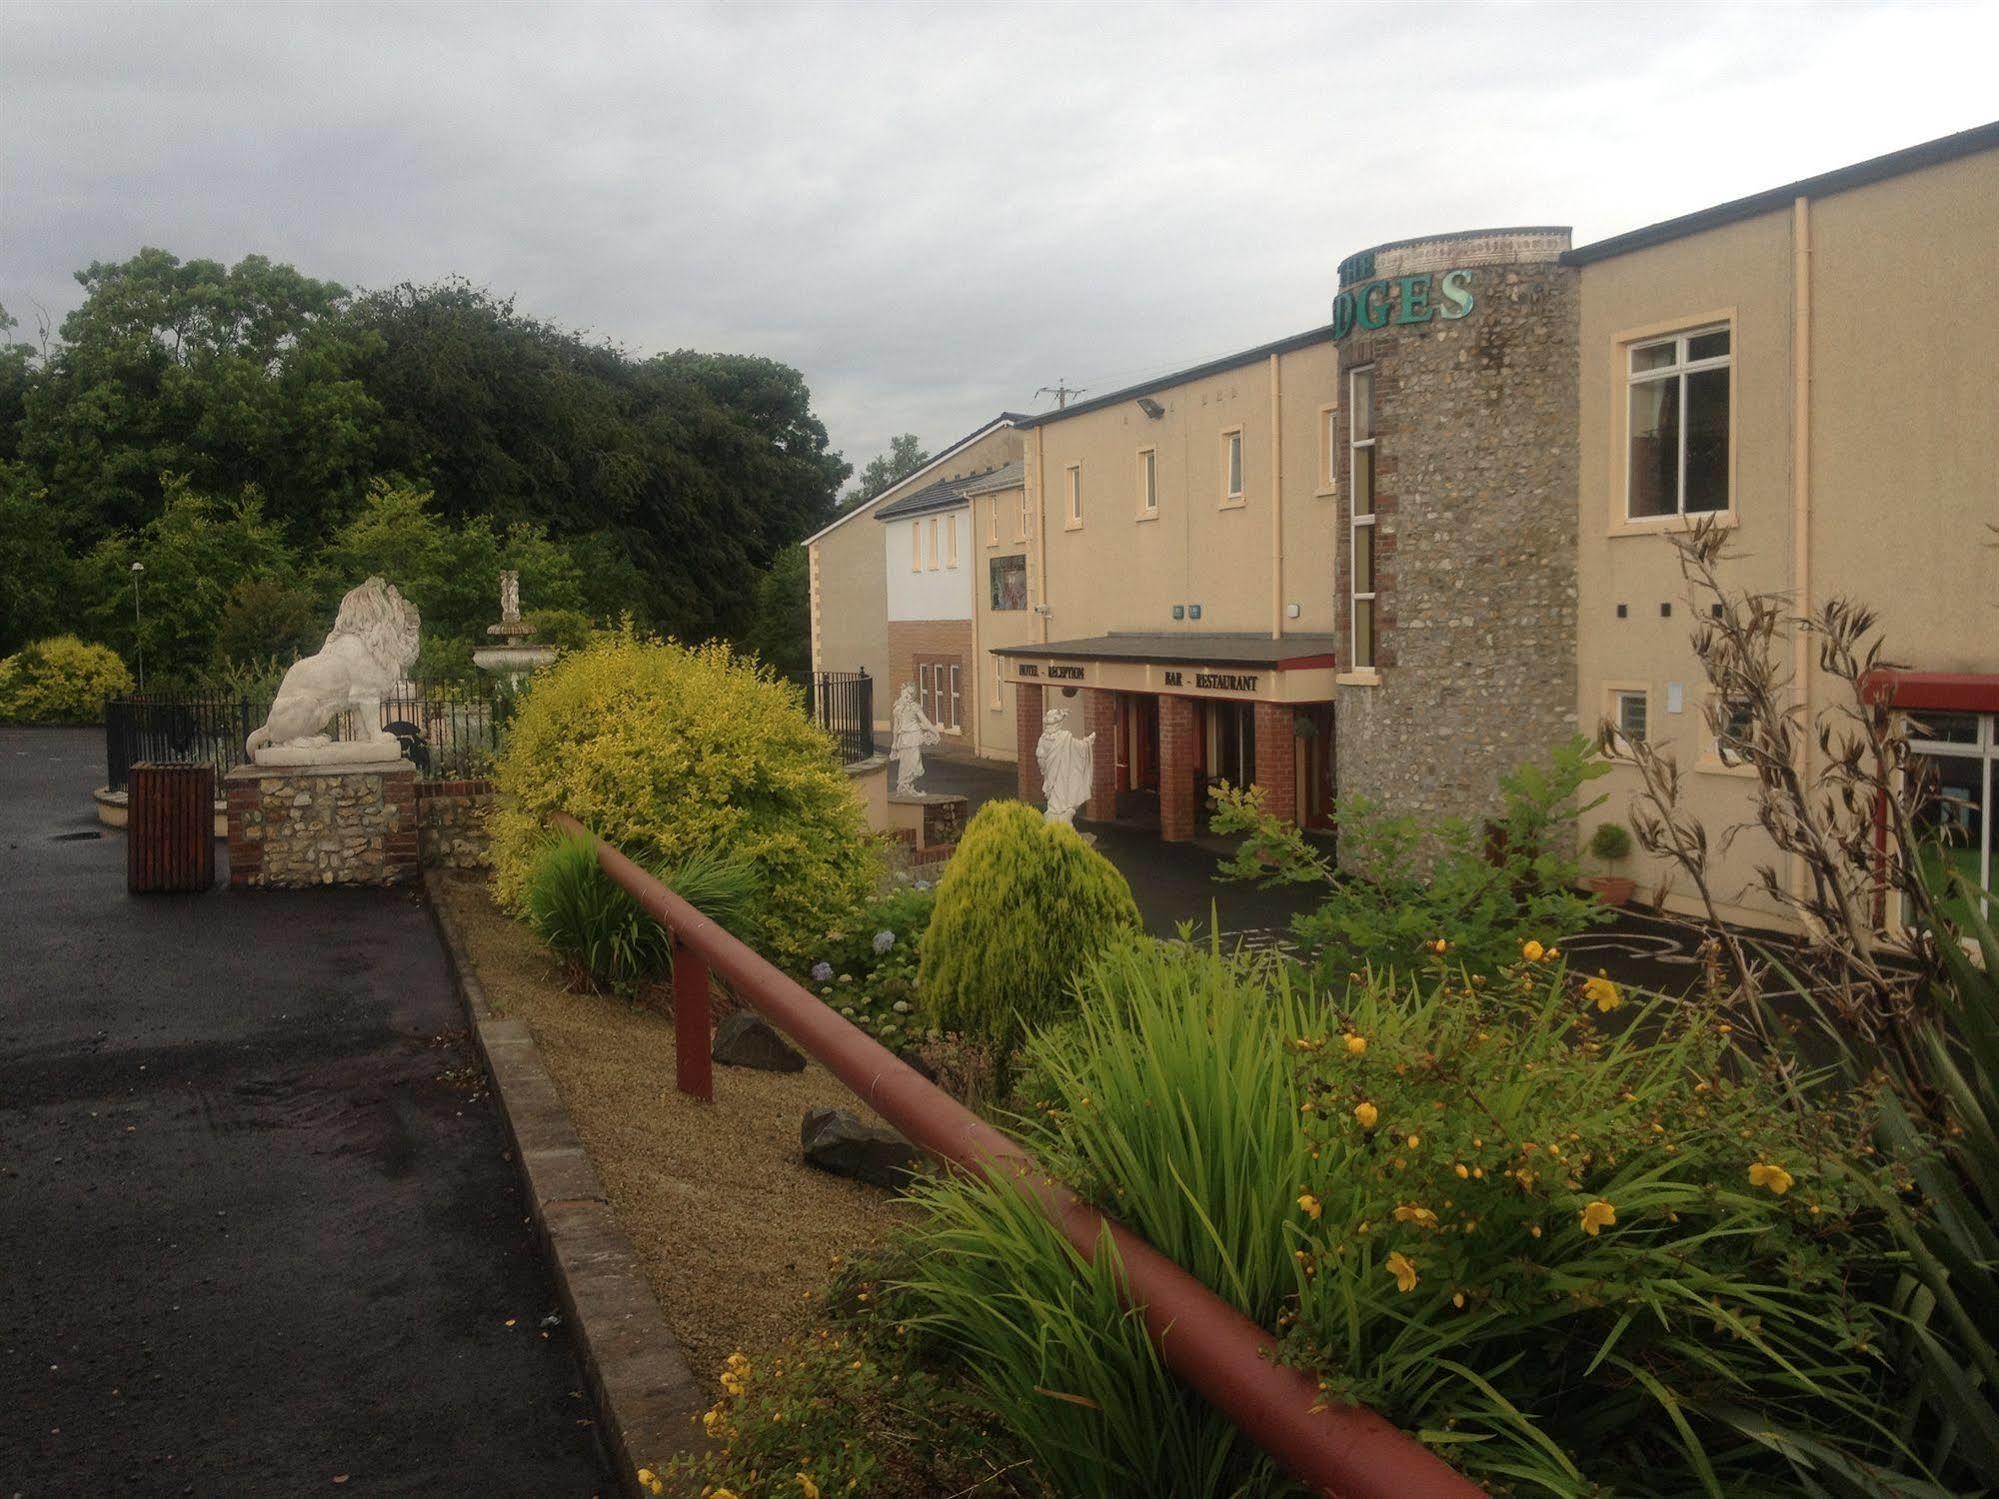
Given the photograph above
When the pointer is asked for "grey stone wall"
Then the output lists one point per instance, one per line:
(314, 826)
(1477, 456)
(451, 824)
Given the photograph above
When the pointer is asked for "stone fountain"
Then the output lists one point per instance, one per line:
(513, 657)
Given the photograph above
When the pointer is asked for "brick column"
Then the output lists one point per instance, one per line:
(1277, 760)
(1100, 718)
(401, 856)
(1176, 769)
(1027, 734)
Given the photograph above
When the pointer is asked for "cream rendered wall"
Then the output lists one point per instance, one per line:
(999, 530)
(1119, 571)
(1904, 447)
(849, 583)
(940, 586)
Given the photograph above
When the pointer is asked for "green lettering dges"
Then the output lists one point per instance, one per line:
(1403, 300)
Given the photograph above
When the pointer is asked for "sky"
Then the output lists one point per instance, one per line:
(930, 210)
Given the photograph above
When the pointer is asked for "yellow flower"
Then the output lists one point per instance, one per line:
(1776, 1178)
(1458, 1301)
(806, 1487)
(1311, 1205)
(1420, 1216)
(657, 1486)
(1368, 1115)
(1597, 1216)
(1463, 1171)
(1403, 1269)
(1532, 951)
(645, 1477)
(1440, 946)
(1356, 1046)
(1415, 1141)
(1602, 993)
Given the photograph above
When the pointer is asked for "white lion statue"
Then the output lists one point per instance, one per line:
(372, 643)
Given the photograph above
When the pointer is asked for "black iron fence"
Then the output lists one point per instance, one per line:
(448, 729)
(843, 704)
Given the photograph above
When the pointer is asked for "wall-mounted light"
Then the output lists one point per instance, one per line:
(1151, 407)
(1292, 611)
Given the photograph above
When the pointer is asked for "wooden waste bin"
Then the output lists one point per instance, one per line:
(170, 828)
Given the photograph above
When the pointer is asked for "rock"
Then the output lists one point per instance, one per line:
(836, 1141)
(746, 1039)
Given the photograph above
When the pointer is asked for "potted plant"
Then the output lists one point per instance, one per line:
(1610, 844)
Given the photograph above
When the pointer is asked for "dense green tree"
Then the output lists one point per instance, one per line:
(781, 632)
(17, 373)
(231, 376)
(37, 576)
(904, 457)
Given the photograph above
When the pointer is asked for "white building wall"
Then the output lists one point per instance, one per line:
(938, 585)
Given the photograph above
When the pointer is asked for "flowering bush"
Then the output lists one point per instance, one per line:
(60, 680)
(866, 967)
(665, 750)
(1576, 1262)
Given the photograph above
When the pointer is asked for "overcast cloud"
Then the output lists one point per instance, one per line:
(931, 210)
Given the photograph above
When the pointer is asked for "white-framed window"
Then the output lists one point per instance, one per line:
(1329, 449)
(916, 546)
(1148, 483)
(951, 541)
(1678, 406)
(1360, 515)
(1023, 522)
(1630, 713)
(992, 521)
(933, 543)
(926, 692)
(1732, 728)
(1075, 481)
(954, 694)
(997, 703)
(1232, 467)
(1957, 754)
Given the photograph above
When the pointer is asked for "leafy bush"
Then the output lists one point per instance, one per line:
(1610, 842)
(1484, 890)
(60, 680)
(1575, 1262)
(603, 934)
(665, 750)
(866, 968)
(565, 629)
(1023, 904)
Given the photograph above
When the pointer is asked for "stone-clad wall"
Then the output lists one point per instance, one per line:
(451, 823)
(322, 825)
(1477, 437)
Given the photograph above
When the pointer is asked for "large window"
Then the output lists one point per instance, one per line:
(937, 690)
(1360, 530)
(1232, 467)
(1679, 425)
(1958, 755)
(1009, 583)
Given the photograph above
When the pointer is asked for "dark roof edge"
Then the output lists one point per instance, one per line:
(1425, 239)
(1860, 174)
(1193, 372)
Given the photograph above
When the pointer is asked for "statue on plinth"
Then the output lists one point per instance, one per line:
(1066, 765)
(373, 642)
(910, 730)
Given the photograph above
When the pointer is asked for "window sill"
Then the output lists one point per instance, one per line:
(1672, 525)
(1146, 515)
(1367, 677)
(1326, 492)
(1712, 765)
(1238, 504)
(1072, 525)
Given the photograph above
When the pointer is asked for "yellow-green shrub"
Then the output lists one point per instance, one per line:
(60, 680)
(1023, 904)
(666, 750)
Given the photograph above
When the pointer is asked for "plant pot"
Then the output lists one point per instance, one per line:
(1611, 889)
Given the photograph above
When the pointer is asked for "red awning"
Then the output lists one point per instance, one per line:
(1939, 691)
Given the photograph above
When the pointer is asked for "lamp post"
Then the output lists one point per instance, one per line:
(138, 631)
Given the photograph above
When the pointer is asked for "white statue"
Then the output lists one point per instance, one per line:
(1065, 763)
(372, 643)
(909, 731)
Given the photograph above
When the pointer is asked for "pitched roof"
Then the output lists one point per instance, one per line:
(1007, 476)
(1004, 419)
(1222, 648)
(945, 494)
(1179, 377)
(1860, 174)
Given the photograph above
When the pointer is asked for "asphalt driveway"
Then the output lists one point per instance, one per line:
(259, 1232)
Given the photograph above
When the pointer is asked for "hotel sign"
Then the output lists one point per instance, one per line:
(1296, 683)
(1397, 301)
(1213, 681)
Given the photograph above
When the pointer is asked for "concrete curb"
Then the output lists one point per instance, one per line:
(647, 1397)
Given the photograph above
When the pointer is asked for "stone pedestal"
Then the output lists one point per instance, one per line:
(928, 819)
(341, 824)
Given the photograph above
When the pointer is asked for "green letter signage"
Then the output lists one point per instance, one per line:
(1406, 301)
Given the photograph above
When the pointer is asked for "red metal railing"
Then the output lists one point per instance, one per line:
(1343, 1451)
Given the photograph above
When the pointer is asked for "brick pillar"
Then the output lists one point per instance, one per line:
(1027, 734)
(1176, 769)
(1277, 760)
(1101, 719)
(401, 855)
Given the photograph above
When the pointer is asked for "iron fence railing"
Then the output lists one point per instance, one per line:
(448, 729)
(843, 704)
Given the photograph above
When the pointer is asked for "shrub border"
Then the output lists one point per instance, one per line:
(646, 1395)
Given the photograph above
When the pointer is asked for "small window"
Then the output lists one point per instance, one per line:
(1075, 495)
(1732, 741)
(951, 541)
(1148, 482)
(1678, 398)
(1232, 468)
(1022, 523)
(1329, 449)
(1629, 713)
(933, 543)
(916, 546)
(1008, 577)
(926, 698)
(992, 521)
(954, 695)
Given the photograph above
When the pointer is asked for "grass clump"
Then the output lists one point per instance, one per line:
(1023, 904)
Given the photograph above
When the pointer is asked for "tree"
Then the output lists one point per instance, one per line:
(781, 632)
(37, 592)
(904, 457)
(229, 376)
(17, 374)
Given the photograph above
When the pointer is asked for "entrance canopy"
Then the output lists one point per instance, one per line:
(1246, 668)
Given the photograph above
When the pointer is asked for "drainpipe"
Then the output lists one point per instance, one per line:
(978, 660)
(1801, 493)
(1276, 501)
(1041, 527)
